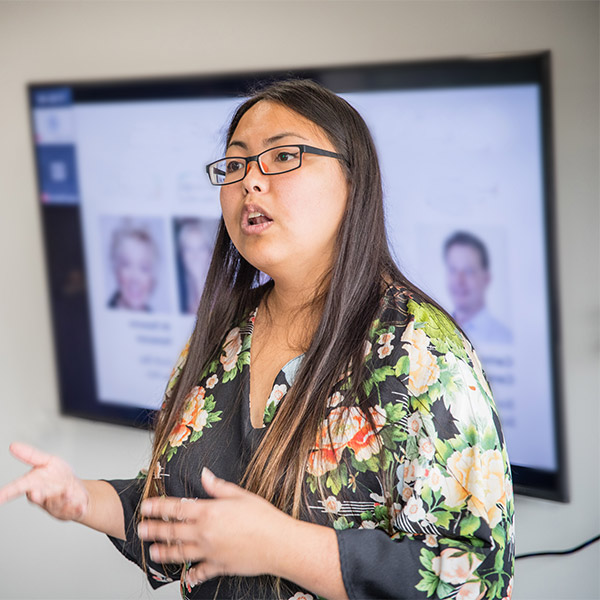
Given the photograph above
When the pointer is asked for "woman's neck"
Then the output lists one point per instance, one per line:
(293, 310)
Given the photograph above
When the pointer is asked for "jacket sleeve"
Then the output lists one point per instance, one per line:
(130, 493)
(446, 528)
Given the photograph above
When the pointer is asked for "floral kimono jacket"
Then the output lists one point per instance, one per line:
(445, 527)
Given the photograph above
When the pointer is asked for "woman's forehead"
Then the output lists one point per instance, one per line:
(268, 123)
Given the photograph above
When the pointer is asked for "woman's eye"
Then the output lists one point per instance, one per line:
(233, 166)
(285, 156)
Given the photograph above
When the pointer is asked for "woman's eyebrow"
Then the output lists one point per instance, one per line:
(280, 136)
(268, 141)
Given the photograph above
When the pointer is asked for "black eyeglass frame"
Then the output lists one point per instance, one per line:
(248, 159)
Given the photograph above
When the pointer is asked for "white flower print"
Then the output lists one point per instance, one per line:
(385, 350)
(277, 393)
(212, 381)
(332, 505)
(414, 423)
(335, 399)
(426, 448)
(414, 509)
(434, 479)
(430, 540)
(385, 338)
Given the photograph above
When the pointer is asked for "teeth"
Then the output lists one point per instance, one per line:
(254, 215)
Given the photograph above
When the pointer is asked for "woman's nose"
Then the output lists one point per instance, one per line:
(255, 180)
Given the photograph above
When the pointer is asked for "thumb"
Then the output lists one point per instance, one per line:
(29, 454)
(219, 488)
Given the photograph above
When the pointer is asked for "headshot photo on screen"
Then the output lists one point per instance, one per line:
(194, 241)
(134, 269)
(468, 276)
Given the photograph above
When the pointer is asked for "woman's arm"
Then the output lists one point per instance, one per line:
(105, 511)
(308, 555)
(52, 485)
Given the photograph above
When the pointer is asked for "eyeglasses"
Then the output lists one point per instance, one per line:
(274, 161)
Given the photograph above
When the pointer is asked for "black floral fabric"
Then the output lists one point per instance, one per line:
(423, 508)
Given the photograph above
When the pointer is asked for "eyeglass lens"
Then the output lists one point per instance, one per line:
(275, 160)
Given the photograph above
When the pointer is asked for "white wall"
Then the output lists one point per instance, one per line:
(50, 40)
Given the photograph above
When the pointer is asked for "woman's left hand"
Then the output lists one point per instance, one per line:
(235, 532)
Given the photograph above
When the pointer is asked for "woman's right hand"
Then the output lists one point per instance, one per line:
(50, 484)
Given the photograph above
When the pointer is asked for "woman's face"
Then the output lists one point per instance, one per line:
(135, 266)
(304, 207)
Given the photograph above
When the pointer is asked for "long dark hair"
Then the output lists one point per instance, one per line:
(348, 301)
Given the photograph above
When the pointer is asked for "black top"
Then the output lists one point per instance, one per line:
(447, 528)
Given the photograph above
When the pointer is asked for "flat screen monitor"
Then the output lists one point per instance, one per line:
(129, 219)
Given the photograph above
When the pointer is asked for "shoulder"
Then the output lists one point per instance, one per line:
(422, 348)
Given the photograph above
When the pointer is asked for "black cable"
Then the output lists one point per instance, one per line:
(559, 552)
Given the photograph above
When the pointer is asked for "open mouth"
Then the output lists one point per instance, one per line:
(257, 218)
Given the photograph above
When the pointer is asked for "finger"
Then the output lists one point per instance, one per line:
(18, 487)
(201, 572)
(29, 455)
(167, 509)
(159, 531)
(219, 488)
(174, 553)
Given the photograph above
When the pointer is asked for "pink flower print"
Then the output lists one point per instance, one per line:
(231, 348)
(455, 567)
(332, 505)
(414, 423)
(385, 350)
(470, 591)
(426, 448)
(385, 338)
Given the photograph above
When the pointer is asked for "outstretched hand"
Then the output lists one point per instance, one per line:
(234, 533)
(50, 484)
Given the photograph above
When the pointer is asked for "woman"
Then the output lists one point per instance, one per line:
(361, 455)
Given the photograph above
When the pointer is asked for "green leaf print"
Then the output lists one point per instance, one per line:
(443, 449)
(358, 465)
(402, 367)
(499, 535)
(499, 561)
(469, 525)
(381, 513)
(394, 412)
(269, 412)
(489, 441)
(444, 590)
(438, 327)
(343, 471)
(443, 518)
(342, 523)
(426, 557)
(428, 583)
(412, 448)
(243, 359)
(334, 482)
(229, 375)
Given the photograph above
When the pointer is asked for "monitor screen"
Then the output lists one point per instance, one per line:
(129, 219)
